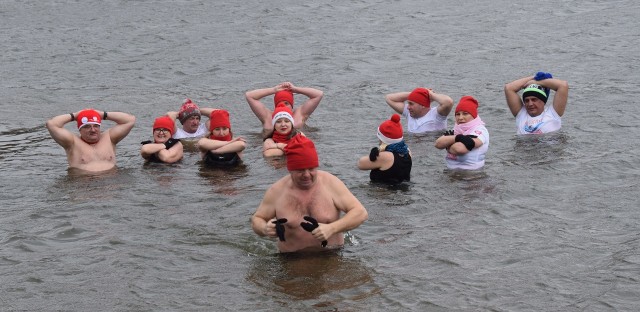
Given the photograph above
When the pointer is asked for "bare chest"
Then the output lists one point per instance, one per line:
(318, 204)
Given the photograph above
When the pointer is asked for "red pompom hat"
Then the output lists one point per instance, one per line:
(187, 110)
(420, 96)
(88, 117)
(164, 122)
(468, 104)
(281, 96)
(390, 131)
(301, 153)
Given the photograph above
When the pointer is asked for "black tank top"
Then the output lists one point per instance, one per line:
(399, 171)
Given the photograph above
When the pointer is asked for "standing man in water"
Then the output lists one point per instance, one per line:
(532, 114)
(283, 93)
(417, 109)
(190, 116)
(93, 150)
(303, 208)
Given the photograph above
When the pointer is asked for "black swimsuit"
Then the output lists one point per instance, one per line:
(399, 171)
(222, 160)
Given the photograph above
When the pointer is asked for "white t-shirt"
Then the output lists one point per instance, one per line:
(430, 122)
(200, 132)
(474, 159)
(548, 121)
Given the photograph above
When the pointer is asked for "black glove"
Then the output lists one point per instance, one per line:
(374, 154)
(280, 228)
(170, 142)
(311, 225)
(467, 140)
(448, 132)
(146, 142)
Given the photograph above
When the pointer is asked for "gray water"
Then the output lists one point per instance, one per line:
(551, 224)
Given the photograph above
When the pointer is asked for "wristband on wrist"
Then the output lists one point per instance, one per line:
(104, 115)
(72, 117)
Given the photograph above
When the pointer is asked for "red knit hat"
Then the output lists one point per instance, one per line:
(301, 153)
(468, 104)
(283, 95)
(164, 122)
(88, 117)
(420, 96)
(219, 118)
(390, 131)
(187, 110)
(281, 111)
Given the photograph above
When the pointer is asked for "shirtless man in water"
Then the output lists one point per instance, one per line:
(303, 208)
(92, 150)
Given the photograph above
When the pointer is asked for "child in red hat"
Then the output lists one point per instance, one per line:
(163, 148)
(468, 143)
(391, 162)
(219, 148)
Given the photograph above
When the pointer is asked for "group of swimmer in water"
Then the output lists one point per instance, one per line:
(303, 209)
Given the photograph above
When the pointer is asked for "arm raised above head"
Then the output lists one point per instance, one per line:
(561, 97)
(62, 136)
(396, 100)
(124, 124)
(253, 97)
(511, 90)
(310, 105)
(445, 102)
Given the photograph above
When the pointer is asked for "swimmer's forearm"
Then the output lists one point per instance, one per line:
(351, 220)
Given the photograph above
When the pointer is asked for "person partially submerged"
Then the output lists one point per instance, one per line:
(308, 209)
(92, 150)
(163, 148)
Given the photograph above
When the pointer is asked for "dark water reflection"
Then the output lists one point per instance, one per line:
(316, 278)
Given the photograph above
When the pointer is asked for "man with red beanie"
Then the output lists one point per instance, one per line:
(303, 209)
(420, 117)
(93, 150)
(163, 148)
(190, 116)
(283, 93)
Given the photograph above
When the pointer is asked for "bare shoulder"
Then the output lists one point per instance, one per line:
(280, 185)
(329, 180)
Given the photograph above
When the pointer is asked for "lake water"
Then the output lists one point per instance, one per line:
(550, 224)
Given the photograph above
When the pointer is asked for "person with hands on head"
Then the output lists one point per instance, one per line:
(283, 93)
(163, 148)
(220, 149)
(532, 114)
(307, 195)
(283, 131)
(93, 150)
(468, 142)
(190, 116)
(420, 117)
(390, 162)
